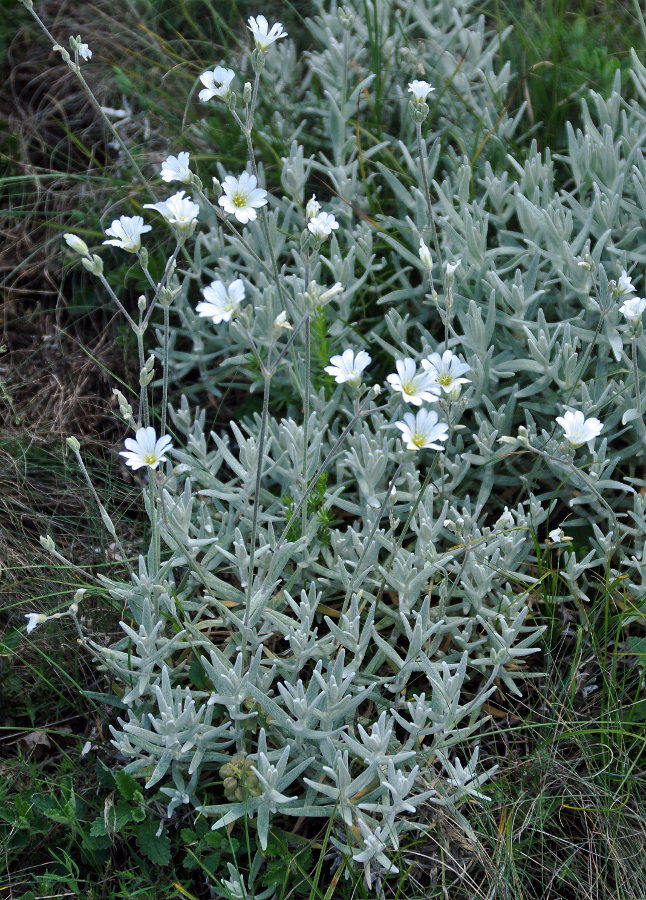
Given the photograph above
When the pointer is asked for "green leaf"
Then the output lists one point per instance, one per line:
(127, 786)
(157, 849)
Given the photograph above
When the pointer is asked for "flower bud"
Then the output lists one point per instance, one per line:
(246, 93)
(94, 265)
(345, 18)
(313, 207)
(76, 244)
(73, 444)
(418, 111)
(425, 255)
(47, 542)
(142, 303)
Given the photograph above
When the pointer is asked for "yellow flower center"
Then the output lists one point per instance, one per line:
(409, 388)
(150, 458)
(418, 439)
(445, 379)
(239, 200)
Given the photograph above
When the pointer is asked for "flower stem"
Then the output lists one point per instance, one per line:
(155, 560)
(638, 393)
(306, 413)
(165, 371)
(409, 519)
(429, 203)
(256, 499)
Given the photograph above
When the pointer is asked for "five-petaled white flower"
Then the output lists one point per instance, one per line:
(178, 210)
(624, 285)
(126, 232)
(241, 197)
(216, 83)
(146, 449)
(633, 308)
(322, 224)
(33, 620)
(262, 34)
(447, 370)
(221, 302)
(348, 366)
(415, 387)
(420, 90)
(579, 430)
(175, 168)
(423, 430)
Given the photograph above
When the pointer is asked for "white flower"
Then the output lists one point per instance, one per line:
(420, 90)
(262, 35)
(216, 83)
(127, 231)
(77, 244)
(175, 168)
(313, 207)
(579, 430)
(222, 303)
(425, 255)
(33, 620)
(423, 430)
(447, 370)
(146, 449)
(451, 267)
(415, 388)
(633, 308)
(84, 52)
(558, 536)
(241, 197)
(322, 225)
(348, 367)
(178, 210)
(281, 321)
(624, 285)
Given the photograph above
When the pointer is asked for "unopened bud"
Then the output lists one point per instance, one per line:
(47, 542)
(425, 255)
(246, 93)
(418, 111)
(313, 207)
(94, 265)
(77, 244)
(142, 303)
(73, 444)
(345, 18)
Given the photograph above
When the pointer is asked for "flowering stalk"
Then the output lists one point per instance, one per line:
(165, 370)
(429, 203)
(75, 447)
(638, 394)
(359, 414)
(256, 500)
(155, 549)
(368, 543)
(95, 103)
(409, 519)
